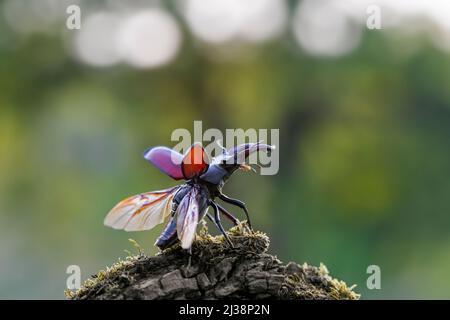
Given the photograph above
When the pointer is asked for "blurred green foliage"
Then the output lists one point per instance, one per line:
(364, 156)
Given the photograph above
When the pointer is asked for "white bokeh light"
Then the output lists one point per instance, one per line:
(323, 29)
(263, 19)
(149, 39)
(213, 20)
(96, 42)
(220, 21)
(441, 15)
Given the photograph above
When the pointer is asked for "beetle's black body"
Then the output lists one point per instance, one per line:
(210, 187)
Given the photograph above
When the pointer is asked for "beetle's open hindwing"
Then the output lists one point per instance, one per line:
(187, 218)
(143, 211)
(191, 210)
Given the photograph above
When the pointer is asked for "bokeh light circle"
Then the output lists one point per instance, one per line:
(149, 39)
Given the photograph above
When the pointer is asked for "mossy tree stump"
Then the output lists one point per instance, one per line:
(214, 271)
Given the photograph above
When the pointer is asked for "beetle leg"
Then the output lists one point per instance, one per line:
(210, 218)
(238, 203)
(218, 224)
(228, 215)
(189, 258)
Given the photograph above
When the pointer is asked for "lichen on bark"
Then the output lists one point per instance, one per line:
(214, 271)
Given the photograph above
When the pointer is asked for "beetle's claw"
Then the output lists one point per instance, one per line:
(248, 226)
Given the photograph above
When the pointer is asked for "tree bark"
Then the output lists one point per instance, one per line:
(214, 271)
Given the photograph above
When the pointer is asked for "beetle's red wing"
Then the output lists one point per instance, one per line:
(166, 160)
(195, 162)
(141, 212)
(187, 220)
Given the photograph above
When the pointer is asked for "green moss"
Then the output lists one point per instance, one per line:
(249, 251)
(103, 275)
(210, 248)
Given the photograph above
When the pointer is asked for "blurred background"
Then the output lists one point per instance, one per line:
(364, 119)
